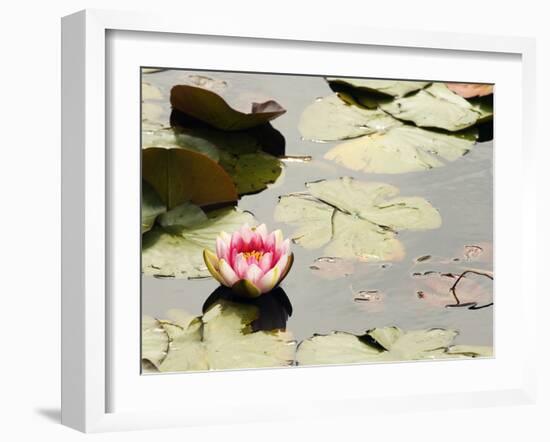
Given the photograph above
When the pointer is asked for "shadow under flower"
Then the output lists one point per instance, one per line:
(274, 307)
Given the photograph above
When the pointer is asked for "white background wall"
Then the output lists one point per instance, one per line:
(29, 221)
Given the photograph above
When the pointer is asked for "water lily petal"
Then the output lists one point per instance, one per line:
(227, 273)
(254, 273)
(212, 263)
(246, 288)
(266, 261)
(240, 265)
(222, 249)
(237, 241)
(289, 263)
(262, 231)
(269, 280)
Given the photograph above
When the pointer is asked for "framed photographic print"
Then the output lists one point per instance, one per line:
(251, 210)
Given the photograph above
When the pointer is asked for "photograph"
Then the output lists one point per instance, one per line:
(311, 220)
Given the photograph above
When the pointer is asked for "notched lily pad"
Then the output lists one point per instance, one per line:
(209, 107)
(400, 150)
(434, 107)
(384, 345)
(175, 250)
(223, 339)
(330, 118)
(180, 175)
(354, 219)
(151, 206)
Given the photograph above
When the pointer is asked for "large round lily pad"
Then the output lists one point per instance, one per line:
(436, 107)
(354, 219)
(399, 150)
(175, 250)
(330, 118)
(180, 175)
(393, 88)
(221, 339)
(384, 345)
(209, 107)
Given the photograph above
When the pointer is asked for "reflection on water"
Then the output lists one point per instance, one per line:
(309, 303)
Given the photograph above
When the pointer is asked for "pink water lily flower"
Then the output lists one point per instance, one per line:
(251, 261)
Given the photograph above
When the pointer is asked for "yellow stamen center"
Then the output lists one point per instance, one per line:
(253, 254)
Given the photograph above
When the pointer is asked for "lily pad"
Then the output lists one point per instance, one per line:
(209, 107)
(401, 149)
(176, 249)
(180, 175)
(384, 345)
(223, 339)
(238, 153)
(393, 88)
(354, 219)
(151, 206)
(435, 107)
(330, 118)
(154, 341)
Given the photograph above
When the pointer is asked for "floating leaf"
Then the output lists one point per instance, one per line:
(252, 172)
(180, 175)
(354, 219)
(402, 149)
(447, 290)
(176, 250)
(470, 90)
(223, 339)
(209, 107)
(393, 88)
(154, 341)
(151, 206)
(150, 92)
(330, 118)
(484, 105)
(436, 106)
(332, 268)
(383, 345)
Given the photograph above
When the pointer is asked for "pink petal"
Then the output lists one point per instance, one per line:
(246, 234)
(240, 266)
(227, 273)
(262, 231)
(237, 241)
(269, 280)
(222, 249)
(254, 273)
(266, 261)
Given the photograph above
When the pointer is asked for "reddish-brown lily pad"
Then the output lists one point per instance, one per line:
(470, 90)
(209, 107)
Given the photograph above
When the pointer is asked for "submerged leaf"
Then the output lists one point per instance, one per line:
(354, 219)
(401, 149)
(176, 250)
(330, 118)
(384, 345)
(223, 339)
(470, 90)
(207, 106)
(436, 106)
(180, 175)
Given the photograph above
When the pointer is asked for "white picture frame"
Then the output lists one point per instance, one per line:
(91, 171)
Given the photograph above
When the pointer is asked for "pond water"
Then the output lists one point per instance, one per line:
(462, 191)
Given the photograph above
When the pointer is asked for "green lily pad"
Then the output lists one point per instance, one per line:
(151, 206)
(223, 339)
(252, 172)
(238, 153)
(435, 107)
(354, 219)
(207, 106)
(401, 149)
(393, 88)
(176, 249)
(154, 341)
(180, 175)
(330, 118)
(384, 345)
